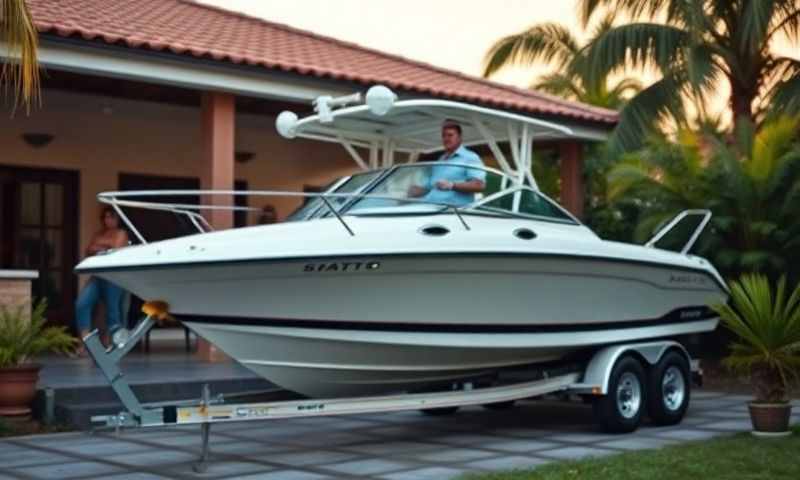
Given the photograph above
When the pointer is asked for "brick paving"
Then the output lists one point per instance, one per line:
(396, 446)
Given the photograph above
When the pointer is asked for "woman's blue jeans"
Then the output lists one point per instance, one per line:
(95, 289)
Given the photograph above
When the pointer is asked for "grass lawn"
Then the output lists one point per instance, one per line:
(741, 456)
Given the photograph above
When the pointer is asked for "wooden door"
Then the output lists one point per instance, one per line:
(39, 231)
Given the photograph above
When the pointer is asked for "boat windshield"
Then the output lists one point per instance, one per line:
(314, 206)
(529, 203)
(410, 185)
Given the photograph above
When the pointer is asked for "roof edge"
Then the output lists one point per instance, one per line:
(510, 88)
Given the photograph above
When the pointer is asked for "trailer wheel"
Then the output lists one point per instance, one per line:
(669, 389)
(439, 411)
(620, 410)
(499, 405)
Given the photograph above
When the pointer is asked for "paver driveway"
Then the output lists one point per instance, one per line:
(405, 445)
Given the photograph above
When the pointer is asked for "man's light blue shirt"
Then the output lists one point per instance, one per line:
(452, 169)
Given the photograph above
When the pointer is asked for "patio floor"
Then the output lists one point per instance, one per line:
(167, 362)
(404, 445)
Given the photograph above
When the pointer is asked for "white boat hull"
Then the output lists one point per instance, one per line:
(330, 363)
(366, 325)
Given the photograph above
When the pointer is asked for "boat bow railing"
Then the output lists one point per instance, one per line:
(137, 199)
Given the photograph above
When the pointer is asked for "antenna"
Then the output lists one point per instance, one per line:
(325, 104)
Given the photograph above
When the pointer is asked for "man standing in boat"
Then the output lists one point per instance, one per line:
(457, 176)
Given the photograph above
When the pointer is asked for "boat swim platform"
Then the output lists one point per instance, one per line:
(72, 390)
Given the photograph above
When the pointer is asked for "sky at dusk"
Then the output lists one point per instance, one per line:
(453, 34)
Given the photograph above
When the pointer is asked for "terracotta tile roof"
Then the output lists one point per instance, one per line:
(187, 28)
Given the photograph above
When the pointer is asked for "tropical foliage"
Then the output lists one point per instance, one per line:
(751, 183)
(767, 327)
(556, 45)
(23, 336)
(18, 32)
(695, 45)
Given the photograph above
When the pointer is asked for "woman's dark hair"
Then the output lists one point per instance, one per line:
(108, 209)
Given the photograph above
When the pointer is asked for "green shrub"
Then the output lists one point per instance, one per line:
(24, 336)
(767, 325)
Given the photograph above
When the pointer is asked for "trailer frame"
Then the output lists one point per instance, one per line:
(592, 380)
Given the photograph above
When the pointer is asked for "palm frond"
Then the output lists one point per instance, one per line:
(626, 86)
(703, 72)
(787, 21)
(21, 72)
(633, 8)
(769, 148)
(549, 42)
(639, 45)
(559, 84)
(786, 97)
(641, 115)
(756, 18)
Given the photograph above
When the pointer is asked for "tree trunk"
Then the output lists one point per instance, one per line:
(741, 104)
(768, 384)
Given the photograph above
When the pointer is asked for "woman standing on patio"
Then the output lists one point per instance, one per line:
(109, 236)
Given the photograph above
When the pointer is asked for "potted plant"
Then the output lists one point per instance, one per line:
(767, 324)
(24, 335)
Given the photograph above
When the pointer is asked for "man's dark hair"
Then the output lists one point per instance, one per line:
(452, 125)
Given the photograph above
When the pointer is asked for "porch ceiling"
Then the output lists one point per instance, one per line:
(64, 81)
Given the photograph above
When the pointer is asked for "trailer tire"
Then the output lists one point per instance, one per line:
(500, 405)
(669, 389)
(620, 410)
(439, 411)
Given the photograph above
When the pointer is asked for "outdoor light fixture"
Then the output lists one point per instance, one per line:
(380, 100)
(325, 104)
(285, 123)
(37, 140)
(243, 157)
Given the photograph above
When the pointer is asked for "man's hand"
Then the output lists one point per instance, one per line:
(415, 191)
(445, 185)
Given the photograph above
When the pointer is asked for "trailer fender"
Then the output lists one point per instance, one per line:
(598, 370)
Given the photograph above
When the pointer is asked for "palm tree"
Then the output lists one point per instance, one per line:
(554, 44)
(19, 33)
(752, 185)
(695, 45)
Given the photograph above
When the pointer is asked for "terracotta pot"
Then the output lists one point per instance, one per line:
(770, 417)
(17, 389)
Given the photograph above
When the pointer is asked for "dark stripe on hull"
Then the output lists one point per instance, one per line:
(679, 316)
(368, 258)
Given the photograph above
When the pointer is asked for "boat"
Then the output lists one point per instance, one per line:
(367, 289)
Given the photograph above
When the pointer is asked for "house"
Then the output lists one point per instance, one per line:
(175, 94)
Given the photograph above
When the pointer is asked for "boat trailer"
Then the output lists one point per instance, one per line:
(593, 380)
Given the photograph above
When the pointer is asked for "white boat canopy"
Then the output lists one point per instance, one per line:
(384, 131)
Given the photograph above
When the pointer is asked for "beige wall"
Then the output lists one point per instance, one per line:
(15, 293)
(102, 137)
